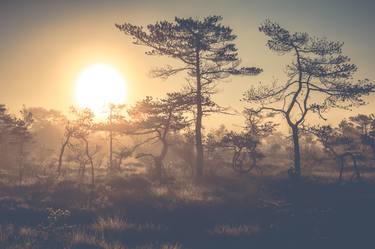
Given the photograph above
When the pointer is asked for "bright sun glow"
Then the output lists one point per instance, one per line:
(99, 85)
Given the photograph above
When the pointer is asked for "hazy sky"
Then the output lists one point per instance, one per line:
(44, 45)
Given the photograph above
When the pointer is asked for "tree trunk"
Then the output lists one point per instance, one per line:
(92, 173)
(159, 168)
(110, 140)
(297, 153)
(254, 158)
(373, 152)
(83, 171)
(198, 124)
(90, 161)
(159, 160)
(62, 154)
(21, 162)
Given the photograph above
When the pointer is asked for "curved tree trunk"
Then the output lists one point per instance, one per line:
(90, 161)
(62, 150)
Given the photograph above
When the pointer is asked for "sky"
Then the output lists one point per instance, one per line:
(44, 45)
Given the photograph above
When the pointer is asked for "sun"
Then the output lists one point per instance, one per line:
(99, 85)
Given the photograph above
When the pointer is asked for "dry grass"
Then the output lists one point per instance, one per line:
(235, 230)
(221, 212)
(84, 239)
(117, 224)
(111, 224)
(162, 246)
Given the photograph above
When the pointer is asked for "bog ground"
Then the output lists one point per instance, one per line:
(234, 211)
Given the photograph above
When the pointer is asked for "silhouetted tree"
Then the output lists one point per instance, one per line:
(84, 123)
(6, 121)
(339, 145)
(331, 138)
(79, 128)
(213, 142)
(319, 78)
(207, 51)
(115, 116)
(47, 129)
(365, 124)
(362, 123)
(115, 125)
(245, 144)
(184, 149)
(240, 142)
(78, 156)
(20, 136)
(159, 117)
(70, 129)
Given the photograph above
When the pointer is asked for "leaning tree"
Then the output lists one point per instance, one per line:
(246, 144)
(340, 145)
(79, 129)
(158, 118)
(206, 52)
(84, 121)
(319, 78)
